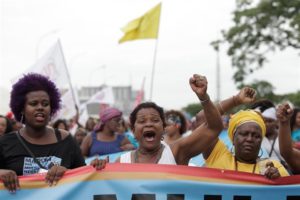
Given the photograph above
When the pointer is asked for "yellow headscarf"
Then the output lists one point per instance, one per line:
(242, 117)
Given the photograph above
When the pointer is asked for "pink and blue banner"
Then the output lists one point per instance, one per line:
(156, 182)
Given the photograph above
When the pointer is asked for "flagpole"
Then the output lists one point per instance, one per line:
(153, 70)
(154, 60)
(68, 74)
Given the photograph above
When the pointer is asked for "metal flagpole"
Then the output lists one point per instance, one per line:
(153, 70)
(154, 60)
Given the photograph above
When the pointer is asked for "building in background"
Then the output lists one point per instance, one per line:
(4, 103)
(124, 98)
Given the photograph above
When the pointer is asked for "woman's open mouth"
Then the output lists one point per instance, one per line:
(149, 136)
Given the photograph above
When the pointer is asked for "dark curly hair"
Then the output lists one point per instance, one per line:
(60, 121)
(29, 83)
(159, 109)
(182, 119)
(293, 118)
(9, 127)
(262, 105)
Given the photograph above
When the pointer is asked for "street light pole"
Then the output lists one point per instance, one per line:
(216, 46)
(75, 58)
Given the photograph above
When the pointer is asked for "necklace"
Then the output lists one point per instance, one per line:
(154, 159)
(236, 166)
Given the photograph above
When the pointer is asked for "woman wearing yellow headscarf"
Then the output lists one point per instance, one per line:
(246, 131)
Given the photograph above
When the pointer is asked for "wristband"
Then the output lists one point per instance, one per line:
(204, 100)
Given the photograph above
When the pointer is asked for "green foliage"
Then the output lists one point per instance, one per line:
(265, 89)
(268, 26)
(193, 108)
(294, 98)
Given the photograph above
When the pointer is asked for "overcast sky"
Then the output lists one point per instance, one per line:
(90, 29)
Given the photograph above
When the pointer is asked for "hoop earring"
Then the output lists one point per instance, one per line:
(164, 132)
(260, 153)
(232, 150)
(162, 138)
(22, 118)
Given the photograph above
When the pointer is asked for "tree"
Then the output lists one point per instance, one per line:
(267, 26)
(192, 108)
(295, 98)
(264, 89)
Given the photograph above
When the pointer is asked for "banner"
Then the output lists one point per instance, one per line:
(156, 182)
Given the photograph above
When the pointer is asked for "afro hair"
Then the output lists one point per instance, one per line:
(29, 83)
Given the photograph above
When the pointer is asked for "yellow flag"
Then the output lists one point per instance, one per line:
(143, 27)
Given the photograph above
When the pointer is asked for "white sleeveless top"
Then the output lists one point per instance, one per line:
(167, 156)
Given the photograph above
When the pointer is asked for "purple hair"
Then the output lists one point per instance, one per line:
(29, 83)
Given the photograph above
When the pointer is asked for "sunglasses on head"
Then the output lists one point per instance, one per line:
(172, 119)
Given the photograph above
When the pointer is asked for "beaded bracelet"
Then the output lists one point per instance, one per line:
(205, 100)
(234, 101)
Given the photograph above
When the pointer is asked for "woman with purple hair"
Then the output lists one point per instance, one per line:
(104, 139)
(36, 147)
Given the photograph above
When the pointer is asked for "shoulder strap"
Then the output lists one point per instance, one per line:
(277, 153)
(57, 134)
(120, 138)
(272, 147)
(29, 151)
(94, 135)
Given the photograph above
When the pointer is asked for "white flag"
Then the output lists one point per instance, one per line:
(104, 96)
(53, 65)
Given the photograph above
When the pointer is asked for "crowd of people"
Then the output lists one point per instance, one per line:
(261, 139)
